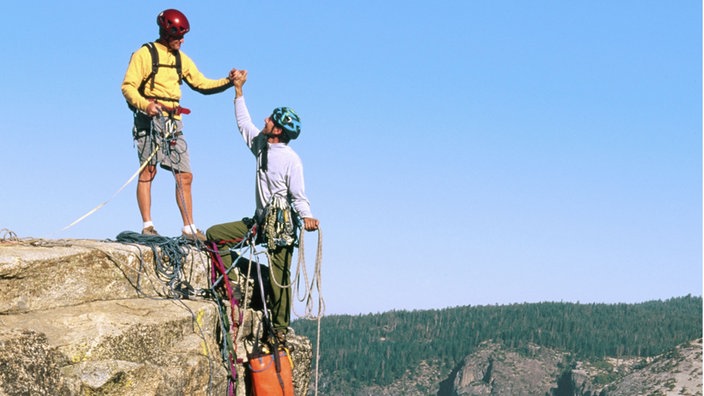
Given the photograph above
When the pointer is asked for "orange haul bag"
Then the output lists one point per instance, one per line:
(267, 380)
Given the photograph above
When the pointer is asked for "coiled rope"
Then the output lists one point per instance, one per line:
(312, 286)
(169, 257)
(316, 284)
(7, 235)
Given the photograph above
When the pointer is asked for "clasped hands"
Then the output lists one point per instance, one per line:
(237, 76)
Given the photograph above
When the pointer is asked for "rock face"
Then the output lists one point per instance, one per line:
(80, 317)
(496, 371)
(492, 370)
(678, 372)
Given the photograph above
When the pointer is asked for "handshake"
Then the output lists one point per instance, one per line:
(238, 77)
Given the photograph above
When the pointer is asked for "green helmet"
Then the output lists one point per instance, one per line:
(288, 120)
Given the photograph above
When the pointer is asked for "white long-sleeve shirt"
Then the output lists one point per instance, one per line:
(284, 174)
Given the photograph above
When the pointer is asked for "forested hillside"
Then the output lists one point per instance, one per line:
(376, 349)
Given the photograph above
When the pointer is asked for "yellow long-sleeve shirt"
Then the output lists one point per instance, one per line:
(166, 79)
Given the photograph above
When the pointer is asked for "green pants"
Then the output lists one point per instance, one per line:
(227, 235)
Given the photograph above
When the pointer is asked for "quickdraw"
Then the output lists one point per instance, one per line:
(280, 223)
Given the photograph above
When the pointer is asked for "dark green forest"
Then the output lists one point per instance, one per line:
(376, 349)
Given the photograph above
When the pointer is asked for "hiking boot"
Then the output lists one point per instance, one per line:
(150, 231)
(198, 236)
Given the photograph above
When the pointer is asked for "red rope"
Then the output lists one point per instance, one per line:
(219, 266)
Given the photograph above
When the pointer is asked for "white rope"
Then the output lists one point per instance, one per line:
(316, 283)
(141, 168)
(8, 235)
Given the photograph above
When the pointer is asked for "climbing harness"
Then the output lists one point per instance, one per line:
(163, 134)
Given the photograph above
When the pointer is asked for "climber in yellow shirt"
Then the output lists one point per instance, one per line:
(152, 88)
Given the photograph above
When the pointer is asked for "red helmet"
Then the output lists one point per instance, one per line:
(172, 23)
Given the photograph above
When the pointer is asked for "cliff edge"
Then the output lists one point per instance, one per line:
(88, 317)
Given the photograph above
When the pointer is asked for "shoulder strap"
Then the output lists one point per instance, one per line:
(155, 66)
(177, 54)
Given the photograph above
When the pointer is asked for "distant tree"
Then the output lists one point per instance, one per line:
(377, 349)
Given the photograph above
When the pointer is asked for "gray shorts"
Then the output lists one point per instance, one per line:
(171, 154)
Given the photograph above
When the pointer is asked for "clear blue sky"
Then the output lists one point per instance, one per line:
(455, 152)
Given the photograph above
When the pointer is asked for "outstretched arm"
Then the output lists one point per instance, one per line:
(200, 83)
(244, 122)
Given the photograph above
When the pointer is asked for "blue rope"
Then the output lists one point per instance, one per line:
(169, 257)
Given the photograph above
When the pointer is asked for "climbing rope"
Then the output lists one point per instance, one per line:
(316, 284)
(230, 326)
(169, 257)
(158, 143)
(7, 235)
